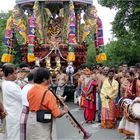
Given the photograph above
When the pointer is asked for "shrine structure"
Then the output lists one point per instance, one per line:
(53, 33)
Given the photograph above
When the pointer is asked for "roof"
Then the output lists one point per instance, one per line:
(28, 1)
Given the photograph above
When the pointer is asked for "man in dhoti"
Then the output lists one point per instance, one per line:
(108, 95)
(12, 103)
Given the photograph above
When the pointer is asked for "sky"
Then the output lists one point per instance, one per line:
(106, 15)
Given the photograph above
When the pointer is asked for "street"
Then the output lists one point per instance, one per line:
(65, 131)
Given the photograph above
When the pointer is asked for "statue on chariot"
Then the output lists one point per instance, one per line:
(50, 33)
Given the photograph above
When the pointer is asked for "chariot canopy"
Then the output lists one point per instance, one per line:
(81, 1)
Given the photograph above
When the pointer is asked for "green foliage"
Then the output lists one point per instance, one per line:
(122, 51)
(3, 20)
(126, 27)
(91, 54)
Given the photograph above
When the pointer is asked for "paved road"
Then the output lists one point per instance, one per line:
(66, 131)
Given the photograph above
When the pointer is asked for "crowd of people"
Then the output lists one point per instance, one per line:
(22, 90)
(98, 90)
(110, 87)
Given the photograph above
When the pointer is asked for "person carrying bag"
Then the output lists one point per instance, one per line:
(43, 116)
(43, 108)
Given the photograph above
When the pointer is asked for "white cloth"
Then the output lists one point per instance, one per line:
(40, 131)
(137, 131)
(69, 70)
(126, 125)
(24, 92)
(13, 106)
(75, 97)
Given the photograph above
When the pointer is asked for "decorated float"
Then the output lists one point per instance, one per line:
(53, 33)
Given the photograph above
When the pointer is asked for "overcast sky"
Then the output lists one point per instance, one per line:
(104, 13)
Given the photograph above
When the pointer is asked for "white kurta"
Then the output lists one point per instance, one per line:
(13, 106)
(24, 93)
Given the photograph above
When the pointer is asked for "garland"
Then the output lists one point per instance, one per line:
(93, 32)
(15, 28)
(31, 39)
(71, 40)
(8, 42)
(99, 41)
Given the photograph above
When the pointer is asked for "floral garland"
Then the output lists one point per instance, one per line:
(8, 42)
(31, 39)
(71, 40)
(99, 41)
(93, 32)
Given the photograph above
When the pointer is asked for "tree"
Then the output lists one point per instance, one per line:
(126, 27)
(91, 54)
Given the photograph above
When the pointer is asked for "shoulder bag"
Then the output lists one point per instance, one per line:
(43, 116)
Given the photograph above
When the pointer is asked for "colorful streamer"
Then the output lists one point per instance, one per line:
(99, 41)
(7, 56)
(93, 32)
(31, 39)
(71, 40)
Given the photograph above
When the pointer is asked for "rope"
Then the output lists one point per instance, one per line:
(54, 49)
(46, 55)
(61, 55)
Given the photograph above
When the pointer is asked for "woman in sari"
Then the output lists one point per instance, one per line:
(89, 96)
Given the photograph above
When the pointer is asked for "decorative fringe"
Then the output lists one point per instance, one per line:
(8, 42)
(7, 58)
(71, 57)
(31, 58)
(101, 57)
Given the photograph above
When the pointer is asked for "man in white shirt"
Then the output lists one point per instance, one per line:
(12, 102)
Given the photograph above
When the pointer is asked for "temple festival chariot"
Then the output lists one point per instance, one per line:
(52, 33)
